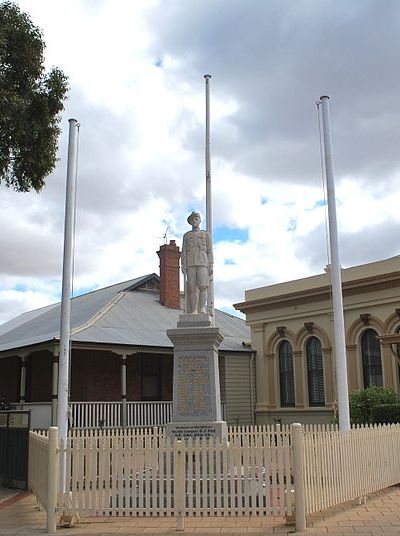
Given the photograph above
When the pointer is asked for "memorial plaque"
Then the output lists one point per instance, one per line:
(197, 430)
(193, 385)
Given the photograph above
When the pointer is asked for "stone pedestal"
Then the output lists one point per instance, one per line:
(196, 395)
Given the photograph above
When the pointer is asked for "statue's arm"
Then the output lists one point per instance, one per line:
(210, 255)
(183, 255)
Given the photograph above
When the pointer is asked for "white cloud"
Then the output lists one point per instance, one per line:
(136, 72)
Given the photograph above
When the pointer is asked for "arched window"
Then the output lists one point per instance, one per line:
(397, 330)
(286, 378)
(371, 358)
(315, 372)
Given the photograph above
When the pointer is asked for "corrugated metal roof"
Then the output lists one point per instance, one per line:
(122, 314)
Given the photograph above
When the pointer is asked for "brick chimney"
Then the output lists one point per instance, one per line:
(169, 275)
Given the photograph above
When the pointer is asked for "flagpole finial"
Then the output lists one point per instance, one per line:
(207, 76)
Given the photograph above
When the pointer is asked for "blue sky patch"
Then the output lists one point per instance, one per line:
(230, 234)
(231, 311)
(230, 262)
(21, 288)
(292, 225)
(83, 290)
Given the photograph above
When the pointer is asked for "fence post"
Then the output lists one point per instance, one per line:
(298, 468)
(52, 480)
(180, 485)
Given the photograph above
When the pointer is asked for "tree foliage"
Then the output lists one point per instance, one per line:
(374, 405)
(30, 103)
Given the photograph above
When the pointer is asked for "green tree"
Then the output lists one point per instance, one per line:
(373, 404)
(30, 103)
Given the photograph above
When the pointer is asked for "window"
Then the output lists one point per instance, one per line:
(315, 372)
(286, 378)
(371, 359)
(397, 330)
(151, 378)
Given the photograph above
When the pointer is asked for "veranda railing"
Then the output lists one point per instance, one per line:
(109, 414)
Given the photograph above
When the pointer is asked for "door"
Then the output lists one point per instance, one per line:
(14, 443)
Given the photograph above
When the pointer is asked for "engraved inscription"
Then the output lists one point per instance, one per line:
(193, 431)
(193, 393)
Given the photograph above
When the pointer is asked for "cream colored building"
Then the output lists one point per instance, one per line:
(292, 331)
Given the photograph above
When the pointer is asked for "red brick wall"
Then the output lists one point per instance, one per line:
(169, 275)
(167, 364)
(95, 376)
(134, 377)
(10, 378)
(39, 372)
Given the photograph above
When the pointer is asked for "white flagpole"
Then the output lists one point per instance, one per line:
(63, 371)
(210, 300)
(336, 278)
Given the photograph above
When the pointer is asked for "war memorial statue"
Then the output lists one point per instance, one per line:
(196, 408)
(197, 265)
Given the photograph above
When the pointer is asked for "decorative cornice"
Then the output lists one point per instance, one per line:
(350, 288)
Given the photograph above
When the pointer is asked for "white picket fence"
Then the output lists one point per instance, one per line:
(43, 472)
(38, 466)
(342, 466)
(261, 471)
(146, 476)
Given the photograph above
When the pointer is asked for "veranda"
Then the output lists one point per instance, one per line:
(258, 471)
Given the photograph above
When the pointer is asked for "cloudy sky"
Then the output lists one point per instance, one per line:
(136, 74)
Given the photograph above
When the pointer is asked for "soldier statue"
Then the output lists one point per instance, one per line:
(197, 265)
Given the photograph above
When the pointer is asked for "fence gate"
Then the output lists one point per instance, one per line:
(14, 442)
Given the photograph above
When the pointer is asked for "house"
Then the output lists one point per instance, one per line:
(292, 332)
(121, 360)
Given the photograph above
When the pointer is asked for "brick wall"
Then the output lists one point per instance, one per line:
(134, 377)
(167, 364)
(39, 373)
(169, 275)
(10, 378)
(96, 376)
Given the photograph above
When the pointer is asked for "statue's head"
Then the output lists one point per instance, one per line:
(194, 217)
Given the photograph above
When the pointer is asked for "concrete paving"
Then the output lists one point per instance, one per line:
(379, 516)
